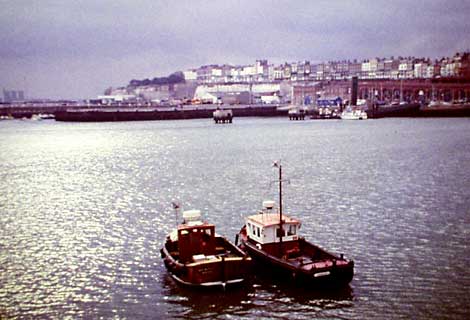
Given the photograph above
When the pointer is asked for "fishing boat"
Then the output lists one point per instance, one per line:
(353, 114)
(196, 256)
(272, 240)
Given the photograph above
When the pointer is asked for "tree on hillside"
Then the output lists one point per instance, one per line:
(176, 77)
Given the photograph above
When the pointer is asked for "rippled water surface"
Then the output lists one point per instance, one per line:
(85, 208)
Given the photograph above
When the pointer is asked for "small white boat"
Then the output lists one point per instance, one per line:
(353, 114)
(42, 116)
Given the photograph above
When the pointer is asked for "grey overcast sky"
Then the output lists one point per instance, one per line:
(76, 49)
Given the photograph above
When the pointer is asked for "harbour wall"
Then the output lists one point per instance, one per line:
(136, 112)
(142, 114)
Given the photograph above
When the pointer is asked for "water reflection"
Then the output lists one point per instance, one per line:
(85, 208)
(261, 296)
(202, 304)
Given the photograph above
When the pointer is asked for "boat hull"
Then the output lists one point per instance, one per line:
(219, 271)
(400, 110)
(329, 271)
(441, 110)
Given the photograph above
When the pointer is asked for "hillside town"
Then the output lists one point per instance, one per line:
(300, 82)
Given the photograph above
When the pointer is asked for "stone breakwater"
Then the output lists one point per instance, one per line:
(141, 114)
(136, 112)
(96, 113)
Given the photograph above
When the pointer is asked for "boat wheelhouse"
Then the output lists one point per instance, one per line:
(264, 228)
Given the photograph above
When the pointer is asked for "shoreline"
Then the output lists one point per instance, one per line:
(95, 113)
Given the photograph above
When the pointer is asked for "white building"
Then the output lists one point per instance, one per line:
(405, 69)
(430, 72)
(107, 99)
(420, 70)
(190, 75)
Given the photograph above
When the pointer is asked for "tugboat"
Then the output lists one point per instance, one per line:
(196, 256)
(272, 241)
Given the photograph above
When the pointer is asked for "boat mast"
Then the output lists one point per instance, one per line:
(176, 207)
(278, 165)
(280, 203)
(401, 90)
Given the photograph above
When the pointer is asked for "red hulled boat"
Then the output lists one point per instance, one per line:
(196, 256)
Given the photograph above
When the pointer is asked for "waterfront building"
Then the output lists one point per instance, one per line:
(464, 69)
(13, 95)
(118, 98)
(420, 69)
(432, 70)
(355, 69)
(405, 69)
(278, 73)
(262, 70)
(209, 74)
(320, 72)
(287, 71)
(365, 69)
(305, 93)
(190, 75)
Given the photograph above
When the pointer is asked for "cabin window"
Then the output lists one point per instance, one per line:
(258, 231)
(280, 232)
(291, 231)
(254, 230)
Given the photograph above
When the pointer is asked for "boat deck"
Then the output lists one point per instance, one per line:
(220, 251)
(306, 263)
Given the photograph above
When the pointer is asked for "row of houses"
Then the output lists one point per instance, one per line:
(376, 68)
(297, 82)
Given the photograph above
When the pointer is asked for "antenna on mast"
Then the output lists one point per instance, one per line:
(176, 207)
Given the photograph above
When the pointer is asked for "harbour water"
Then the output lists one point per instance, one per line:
(85, 208)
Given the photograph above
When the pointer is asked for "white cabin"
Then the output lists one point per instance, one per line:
(264, 226)
(192, 217)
